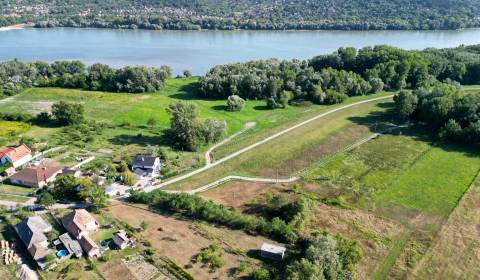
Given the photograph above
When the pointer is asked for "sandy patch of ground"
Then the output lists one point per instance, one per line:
(456, 252)
(32, 107)
(181, 241)
(140, 268)
(117, 270)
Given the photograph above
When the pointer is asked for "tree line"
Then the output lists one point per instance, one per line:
(246, 14)
(328, 79)
(16, 76)
(452, 113)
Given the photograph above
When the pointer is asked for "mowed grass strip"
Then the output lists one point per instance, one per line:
(276, 154)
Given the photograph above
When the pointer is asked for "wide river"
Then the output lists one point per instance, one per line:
(200, 50)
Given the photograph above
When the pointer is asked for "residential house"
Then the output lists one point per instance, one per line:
(80, 224)
(146, 165)
(121, 239)
(32, 233)
(272, 252)
(36, 177)
(89, 246)
(16, 156)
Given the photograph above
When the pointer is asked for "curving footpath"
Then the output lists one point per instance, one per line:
(237, 178)
(261, 142)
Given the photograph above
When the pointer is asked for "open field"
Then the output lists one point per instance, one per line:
(12, 189)
(456, 252)
(295, 150)
(181, 240)
(404, 170)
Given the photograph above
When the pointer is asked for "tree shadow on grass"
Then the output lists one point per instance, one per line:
(141, 139)
(261, 108)
(219, 107)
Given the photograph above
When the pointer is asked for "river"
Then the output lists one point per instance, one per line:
(200, 50)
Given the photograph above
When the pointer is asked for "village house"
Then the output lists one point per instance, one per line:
(146, 165)
(121, 239)
(16, 156)
(36, 177)
(80, 224)
(32, 233)
(272, 252)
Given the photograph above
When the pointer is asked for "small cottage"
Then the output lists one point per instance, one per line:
(36, 177)
(121, 239)
(272, 252)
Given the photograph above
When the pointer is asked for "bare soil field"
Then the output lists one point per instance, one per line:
(182, 240)
(456, 252)
(117, 270)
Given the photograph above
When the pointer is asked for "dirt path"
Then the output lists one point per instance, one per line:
(208, 154)
(261, 142)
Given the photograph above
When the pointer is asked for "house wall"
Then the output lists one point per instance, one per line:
(21, 161)
(91, 226)
(27, 184)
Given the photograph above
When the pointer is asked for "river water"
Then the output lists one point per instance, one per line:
(200, 50)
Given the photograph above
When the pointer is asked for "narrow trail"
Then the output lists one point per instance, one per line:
(208, 154)
(237, 178)
(261, 142)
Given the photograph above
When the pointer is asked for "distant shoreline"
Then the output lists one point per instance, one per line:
(16, 26)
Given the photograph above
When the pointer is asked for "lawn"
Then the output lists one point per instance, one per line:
(11, 189)
(405, 170)
(13, 198)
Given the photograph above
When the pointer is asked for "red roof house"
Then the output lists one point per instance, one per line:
(17, 156)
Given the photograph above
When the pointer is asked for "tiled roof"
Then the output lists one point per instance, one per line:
(35, 175)
(17, 153)
(5, 151)
(144, 160)
(76, 220)
(88, 244)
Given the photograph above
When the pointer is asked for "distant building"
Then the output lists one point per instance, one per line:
(90, 247)
(72, 172)
(36, 177)
(272, 252)
(17, 156)
(121, 239)
(32, 233)
(146, 165)
(80, 224)
(117, 190)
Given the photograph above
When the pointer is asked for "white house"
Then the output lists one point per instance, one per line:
(17, 156)
(148, 165)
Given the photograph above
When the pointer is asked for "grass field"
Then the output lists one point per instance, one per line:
(295, 150)
(11, 189)
(405, 170)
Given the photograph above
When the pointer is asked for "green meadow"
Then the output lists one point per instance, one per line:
(408, 170)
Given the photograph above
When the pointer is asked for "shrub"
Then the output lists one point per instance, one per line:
(235, 103)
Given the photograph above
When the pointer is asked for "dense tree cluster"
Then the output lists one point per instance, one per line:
(278, 82)
(16, 75)
(445, 108)
(329, 79)
(188, 132)
(245, 14)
